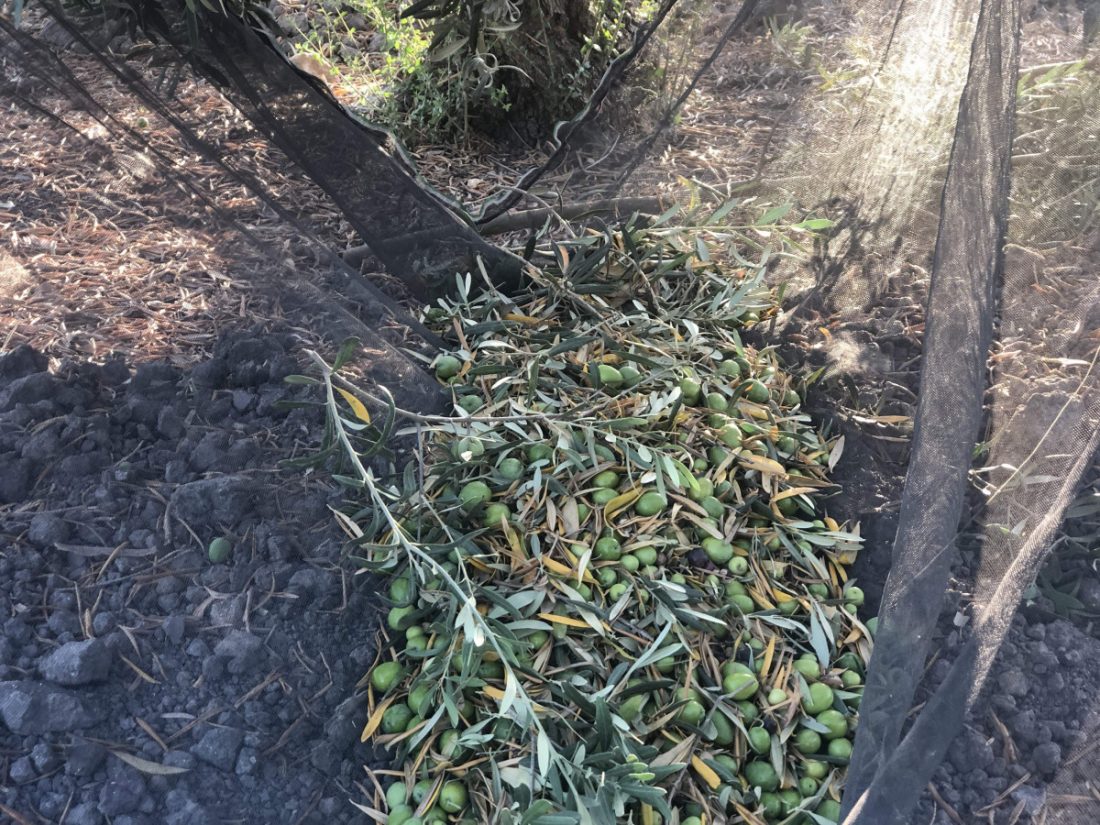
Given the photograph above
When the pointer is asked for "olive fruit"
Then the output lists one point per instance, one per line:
(819, 698)
(807, 741)
(609, 376)
(815, 769)
(756, 392)
(474, 494)
(740, 683)
(447, 366)
(608, 478)
(761, 775)
(496, 514)
(840, 750)
(453, 797)
(808, 667)
(467, 449)
(219, 550)
(835, 721)
(403, 815)
(608, 548)
(395, 719)
(760, 740)
(650, 504)
(396, 794)
(691, 713)
(510, 469)
(385, 675)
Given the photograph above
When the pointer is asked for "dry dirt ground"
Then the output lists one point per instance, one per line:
(116, 249)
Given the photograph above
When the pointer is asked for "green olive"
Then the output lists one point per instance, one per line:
(400, 617)
(608, 548)
(610, 377)
(757, 392)
(730, 435)
(219, 550)
(496, 514)
(761, 775)
(467, 449)
(385, 675)
(510, 469)
(608, 478)
(807, 665)
(691, 713)
(474, 494)
(835, 721)
(447, 366)
(840, 750)
(815, 769)
(630, 564)
(819, 698)
(760, 740)
(394, 720)
(807, 741)
(646, 555)
(453, 797)
(603, 495)
(717, 402)
(738, 566)
(650, 504)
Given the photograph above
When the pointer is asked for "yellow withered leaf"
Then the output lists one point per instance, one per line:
(621, 502)
(793, 491)
(376, 718)
(763, 465)
(768, 655)
(706, 772)
(567, 620)
(356, 405)
(527, 320)
(830, 522)
(760, 599)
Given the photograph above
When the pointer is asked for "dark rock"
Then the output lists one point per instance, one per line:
(32, 708)
(77, 663)
(44, 758)
(38, 386)
(174, 629)
(243, 650)
(21, 362)
(341, 729)
(121, 796)
(16, 480)
(1013, 682)
(179, 759)
(970, 751)
(209, 374)
(169, 424)
(218, 747)
(221, 500)
(1047, 758)
(84, 814)
(84, 759)
(22, 770)
(184, 810)
(246, 761)
(47, 530)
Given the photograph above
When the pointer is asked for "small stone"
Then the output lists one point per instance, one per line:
(84, 814)
(218, 747)
(22, 770)
(44, 758)
(174, 629)
(121, 796)
(246, 761)
(1013, 682)
(77, 663)
(1047, 758)
(179, 759)
(32, 708)
(47, 530)
(103, 623)
(243, 650)
(84, 759)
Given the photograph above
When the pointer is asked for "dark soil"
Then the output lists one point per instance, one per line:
(236, 682)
